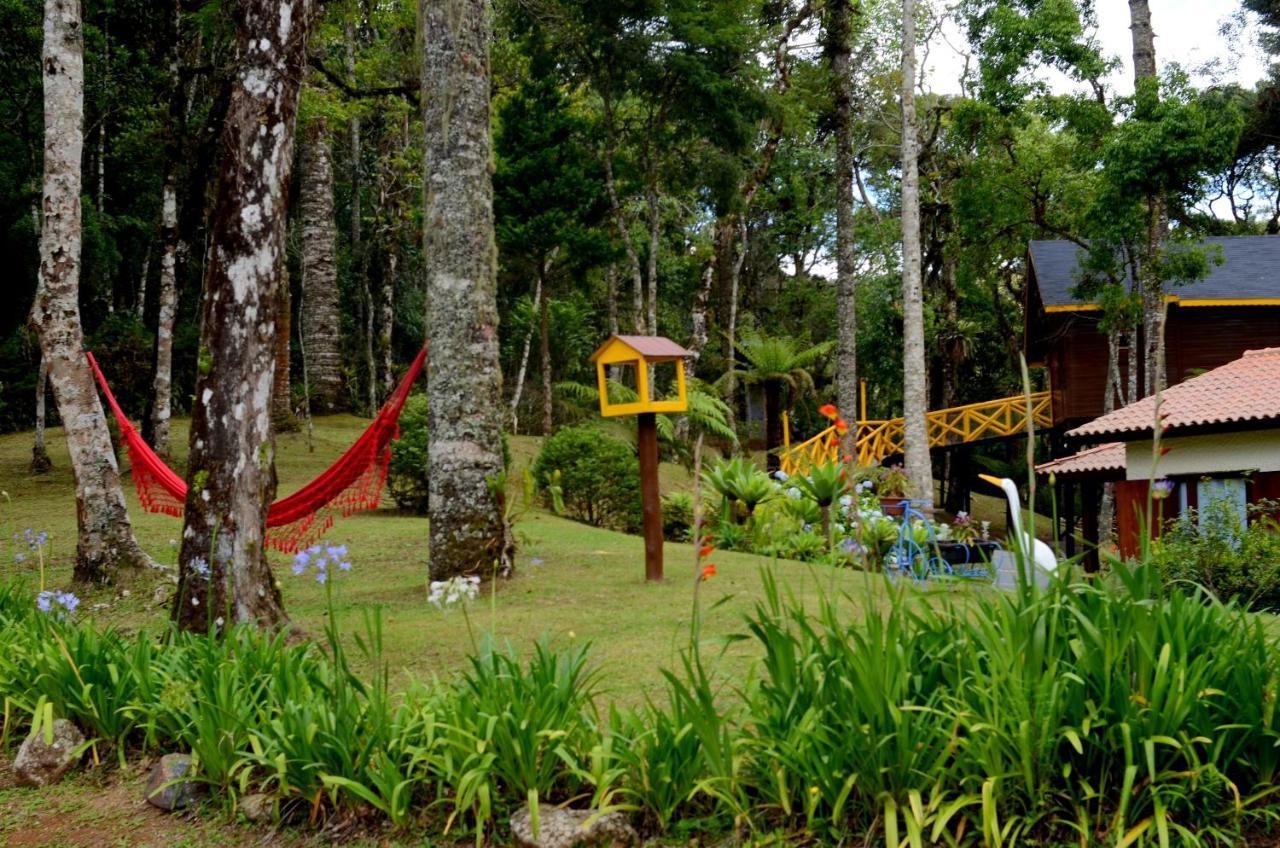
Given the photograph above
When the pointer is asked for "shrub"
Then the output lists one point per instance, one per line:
(407, 477)
(677, 516)
(599, 476)
(1212, 550)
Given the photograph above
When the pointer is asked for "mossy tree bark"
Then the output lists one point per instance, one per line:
(232, 451)
(321, 304)
(468, 532)
(915, 390)
(839, 27)
(105, 540)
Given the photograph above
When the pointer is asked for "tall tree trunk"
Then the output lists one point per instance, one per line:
(469, 533)
(772, 424)
(620, 221)
(387, 319)
(915, 400)
(282, 418)
(105, 539)
(357, 245)
(518, 391)
(653, 204)
(839, 36)
(162, 403)
(544, 351)
(232, 452)
(40, 461)
(321, 315)
(1144, 73)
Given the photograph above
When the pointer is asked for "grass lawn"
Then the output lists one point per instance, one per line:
(573, 582)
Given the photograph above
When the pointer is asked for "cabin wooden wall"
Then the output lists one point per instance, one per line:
(1196, 339)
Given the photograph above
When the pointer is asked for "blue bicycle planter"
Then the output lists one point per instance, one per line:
(922, 559)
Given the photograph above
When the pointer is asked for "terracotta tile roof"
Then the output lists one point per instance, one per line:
(1240, 391)
(1105, 461)
(650, 347)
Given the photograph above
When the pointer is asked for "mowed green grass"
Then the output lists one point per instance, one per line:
(572, 582)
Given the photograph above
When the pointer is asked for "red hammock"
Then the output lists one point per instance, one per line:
(352, 484)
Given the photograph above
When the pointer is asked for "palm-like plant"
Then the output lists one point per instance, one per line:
(782, 365)
(740, 483)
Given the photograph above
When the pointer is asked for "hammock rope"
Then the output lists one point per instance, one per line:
(352, 484)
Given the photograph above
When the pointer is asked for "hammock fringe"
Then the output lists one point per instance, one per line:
(354, 483)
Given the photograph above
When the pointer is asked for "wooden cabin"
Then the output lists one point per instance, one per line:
(1219, 442)
(1211, 322)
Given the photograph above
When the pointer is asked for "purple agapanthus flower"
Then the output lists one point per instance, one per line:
(319, 558)
(59, 603)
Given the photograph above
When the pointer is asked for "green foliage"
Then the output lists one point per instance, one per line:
(1209, 548)
(599, 476)
(741, 486)
(677, 516)
(407, 473)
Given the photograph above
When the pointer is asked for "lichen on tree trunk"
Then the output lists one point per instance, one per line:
(915, 399)
(230, 476)
(839, 47)
(321, 314)
(167, 299)
(105, 540)
(468, 530)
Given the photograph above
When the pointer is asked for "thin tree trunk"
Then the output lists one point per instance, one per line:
(620, 222)
(40, 461)
(772, 424)
(140, 307)
(915, 400)
(282, 418)
(232, 451)
(161, 406)
(388, 318)
(518, 390)
(611, 288)
(105, 540)
(357, 245)
(469, 532)
(839, 35)
(321, 316)
(652, 202)
(544, 351)
(1144, 70)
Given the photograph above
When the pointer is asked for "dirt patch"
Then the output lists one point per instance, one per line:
(106, 808)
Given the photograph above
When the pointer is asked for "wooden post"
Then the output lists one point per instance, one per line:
(652, 504)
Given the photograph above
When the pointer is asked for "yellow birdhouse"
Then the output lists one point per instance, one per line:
(639, 353)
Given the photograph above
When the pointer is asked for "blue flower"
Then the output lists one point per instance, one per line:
(69, 601)
(19, 557)
(199, 566)
(337, 551)
(44, 601)
(344, 565)
(536, 561)
(299, 567)
(47, 600)
(321, 576)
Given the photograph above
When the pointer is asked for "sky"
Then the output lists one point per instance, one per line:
(1187, 32)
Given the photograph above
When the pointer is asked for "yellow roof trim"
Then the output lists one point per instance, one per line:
(1244, 301)
(1074, 307)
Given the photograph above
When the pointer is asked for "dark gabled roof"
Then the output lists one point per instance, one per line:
(1250, 271)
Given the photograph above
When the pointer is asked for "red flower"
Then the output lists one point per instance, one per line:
(847, 459)
(842, 426)
(829, 411)
(708, 571)
(706, 551)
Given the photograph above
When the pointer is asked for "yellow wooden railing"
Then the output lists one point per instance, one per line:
(877, 439)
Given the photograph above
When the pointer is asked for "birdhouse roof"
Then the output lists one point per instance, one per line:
(650, 348)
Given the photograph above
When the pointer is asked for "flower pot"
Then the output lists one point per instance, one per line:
(894, 505)
(977, 552)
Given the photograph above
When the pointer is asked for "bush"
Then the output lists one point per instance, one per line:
(1233, 563)
(599, 477)
(407, 474)
(677, 517)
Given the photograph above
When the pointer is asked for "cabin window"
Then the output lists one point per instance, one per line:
(1214, 493)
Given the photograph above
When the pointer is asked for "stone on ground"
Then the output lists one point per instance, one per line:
(560, 828)
(168, 788)
(41, 763)
(257, 807)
